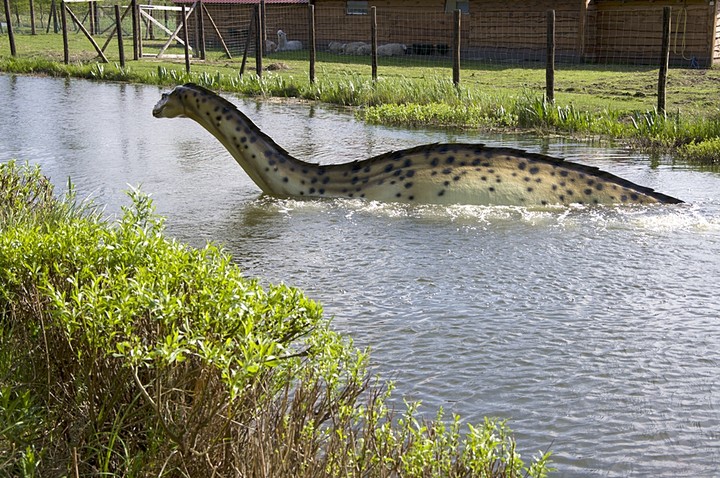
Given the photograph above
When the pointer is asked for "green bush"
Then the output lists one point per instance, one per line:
(124, 353)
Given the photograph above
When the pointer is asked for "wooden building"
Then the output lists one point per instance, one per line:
(605, 31)
(632, 30)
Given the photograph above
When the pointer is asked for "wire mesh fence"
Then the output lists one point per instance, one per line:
(232, 29)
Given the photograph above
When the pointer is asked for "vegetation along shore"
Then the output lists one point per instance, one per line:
(609, 102)
(126, 353)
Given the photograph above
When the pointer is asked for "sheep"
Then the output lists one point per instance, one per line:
(364, 50)
(391, 49)
(357, 48)
(285, 45)
(336, 47)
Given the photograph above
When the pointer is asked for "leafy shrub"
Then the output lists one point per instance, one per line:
(124, 353)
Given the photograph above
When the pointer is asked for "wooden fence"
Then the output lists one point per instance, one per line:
(191, 22)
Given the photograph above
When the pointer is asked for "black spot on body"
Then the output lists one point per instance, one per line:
(588, 191)
(534, 170)
(522, 166)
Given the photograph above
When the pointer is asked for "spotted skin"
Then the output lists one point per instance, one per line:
(429, 174)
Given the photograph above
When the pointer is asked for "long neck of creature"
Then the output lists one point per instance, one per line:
(273, 170)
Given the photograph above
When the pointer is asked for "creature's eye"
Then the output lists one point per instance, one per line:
(164, 96)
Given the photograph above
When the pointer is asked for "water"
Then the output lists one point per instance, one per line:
(595, 331)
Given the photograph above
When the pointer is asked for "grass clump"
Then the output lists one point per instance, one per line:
(124, 353)
(702, 152)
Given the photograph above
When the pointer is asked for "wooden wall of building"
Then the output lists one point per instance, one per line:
(509, 25)
(612, 31)
(630, 31)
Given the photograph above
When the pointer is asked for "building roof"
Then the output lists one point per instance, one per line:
(249, 2)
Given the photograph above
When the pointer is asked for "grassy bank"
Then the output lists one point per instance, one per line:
(126, 354)
(591, 100)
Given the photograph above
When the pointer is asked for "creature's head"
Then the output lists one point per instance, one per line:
(170, 105)
(281, 36)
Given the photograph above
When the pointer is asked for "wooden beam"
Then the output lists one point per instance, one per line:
(217, 32)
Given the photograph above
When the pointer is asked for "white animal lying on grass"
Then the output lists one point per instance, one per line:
(336, 47)
(357, 48)
(285, 45)
(391, 49)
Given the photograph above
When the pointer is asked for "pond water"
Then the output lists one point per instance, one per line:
(595, 331)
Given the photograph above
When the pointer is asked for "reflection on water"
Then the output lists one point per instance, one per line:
(595, 330)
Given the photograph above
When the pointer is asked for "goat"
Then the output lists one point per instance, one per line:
(285, 45)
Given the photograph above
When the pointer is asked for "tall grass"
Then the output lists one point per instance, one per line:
(127, 354)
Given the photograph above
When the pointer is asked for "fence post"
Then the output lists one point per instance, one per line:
(373, 42)
(311, 23)
(550, 63)
(32, 18)
(11, 37)
(456, 47)
(263, 31)
(63, 25)
(118, 29)
(135, 29)
(186, 39)
(201, 23)
(664, 60)
(258, 40)
(53, 15)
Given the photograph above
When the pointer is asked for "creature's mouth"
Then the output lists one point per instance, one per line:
(158, 108)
